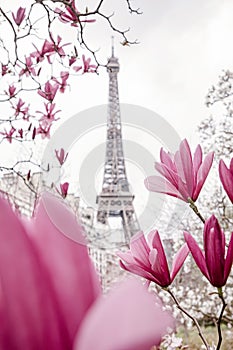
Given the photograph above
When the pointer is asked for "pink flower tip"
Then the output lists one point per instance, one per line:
(226, 177)
(61, 156)
(20, 15)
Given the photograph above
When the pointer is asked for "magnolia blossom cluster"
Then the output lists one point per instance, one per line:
(37, 65)
(183, 177)
(44, 68)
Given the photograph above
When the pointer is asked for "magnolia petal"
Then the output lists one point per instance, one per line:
(140, 249)
(62, 247)
(182, 185)
(169, 174)
(140, 271)
(179, 166)
(129, 318)
(197, 161)
(150, 238)
(166, 160)
(187, 164)
(162, 266)
(231, 166)
(197, 254)
(153, 257)
(226, 178)
(160, 185)
(126, 257)
(162, 276)
(178, 260)
(229, 259)
(30, 316)
(202, 174)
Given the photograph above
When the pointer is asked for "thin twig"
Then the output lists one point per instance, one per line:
(190, 316)
(195, 209)
(220, 294)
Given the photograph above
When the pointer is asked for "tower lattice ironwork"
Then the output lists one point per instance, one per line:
(116, 198)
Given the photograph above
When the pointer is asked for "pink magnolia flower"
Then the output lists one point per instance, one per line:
(20, 15)
(71, 15)
(87, 67)
(72, 59)
(63, 84)
(20, 108)
(20, 133)
(149, 260)
(59, 48)
(4, 69)
(61, 155)
(226, 177)
(50, 293)
(11, 91)
(48, 49)
(183, 176)
(49, 92)
(64, 189)
(8, 135)
(49, 115)
(44, 131)
(214, 265)
(29, 68)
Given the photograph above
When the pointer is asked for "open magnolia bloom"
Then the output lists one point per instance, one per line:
(214, 263)
(148, 260)
(183, 176)
(50, 295)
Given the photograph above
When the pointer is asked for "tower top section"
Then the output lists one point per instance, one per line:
(113, 64)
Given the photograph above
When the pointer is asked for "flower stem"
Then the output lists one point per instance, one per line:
(190, 316)
(220, 294)
(195, 209)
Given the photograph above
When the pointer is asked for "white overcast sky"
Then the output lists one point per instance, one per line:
(184, 46)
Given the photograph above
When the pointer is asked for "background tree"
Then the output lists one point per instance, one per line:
(43, 45)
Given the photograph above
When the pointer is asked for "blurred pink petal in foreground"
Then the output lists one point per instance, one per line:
(50, 294)
(130, 318)
(47, 280)
(148, 260)
(214, 265)
(183, 176)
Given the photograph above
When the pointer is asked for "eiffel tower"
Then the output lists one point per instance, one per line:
(115, 199)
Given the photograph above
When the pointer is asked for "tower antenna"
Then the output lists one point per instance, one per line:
(112, 46)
